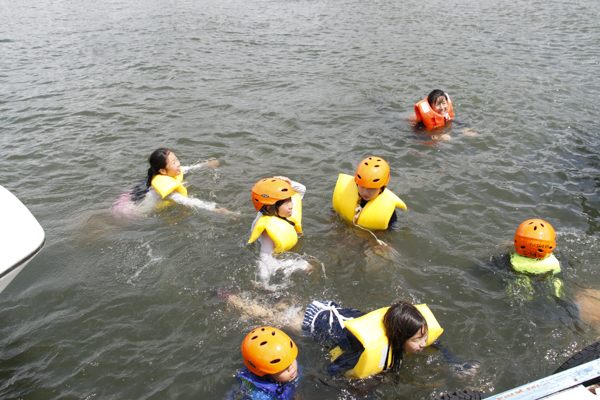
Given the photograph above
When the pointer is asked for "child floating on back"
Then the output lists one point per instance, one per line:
(367, 202)
(271, 370)
(165, 177)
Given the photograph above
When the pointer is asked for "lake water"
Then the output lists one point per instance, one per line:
(116, 308)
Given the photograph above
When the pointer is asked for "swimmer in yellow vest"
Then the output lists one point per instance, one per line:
(370, 343)
(165, 176)
(535, 240)
(365, 201)
(278, 201)
(367, 343)
(278, 222)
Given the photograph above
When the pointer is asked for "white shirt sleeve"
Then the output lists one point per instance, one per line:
(192, 202)
(188, 168)
(298, 187)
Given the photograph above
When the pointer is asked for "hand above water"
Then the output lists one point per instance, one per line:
(211, 162)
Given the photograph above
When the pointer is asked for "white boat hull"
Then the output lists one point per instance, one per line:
(21, 237)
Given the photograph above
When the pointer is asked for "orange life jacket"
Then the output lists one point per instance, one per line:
(430, 118)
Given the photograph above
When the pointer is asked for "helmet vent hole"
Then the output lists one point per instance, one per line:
(376, 180)
(263, 343)
(275, 361)
(359, 177)
(550, 247)
(250, 362)
(540, 250)
(284, 190)
(254, 337)
(535, 228)
(291, 344)
(377, 166)
(272, 333)
(522, 247)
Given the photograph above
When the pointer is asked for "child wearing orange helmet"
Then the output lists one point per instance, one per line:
(278, 201)
(271, 370)
(535, 240)
(367, 202)
(367, 343)
(278, 222)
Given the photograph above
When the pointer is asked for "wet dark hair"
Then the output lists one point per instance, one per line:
(401, 321)
(157, 160)
(434, 96)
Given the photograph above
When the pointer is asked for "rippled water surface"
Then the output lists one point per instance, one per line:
(117, 308)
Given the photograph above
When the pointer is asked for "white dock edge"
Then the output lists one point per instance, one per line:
(550, 386)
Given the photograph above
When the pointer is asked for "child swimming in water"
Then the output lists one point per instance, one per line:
(165, 177)
(367, 343)
(366, 202)
(278, 201)
(535, 240)
(435, 111)
(373, 342)
(271, 370)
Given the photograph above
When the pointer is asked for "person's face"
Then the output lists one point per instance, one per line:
(173, 168)
(368, 194)
(417, 343)
(441, 105)
(285, 210)
(287, 374)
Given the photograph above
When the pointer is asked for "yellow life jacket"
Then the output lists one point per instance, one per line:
(370, 331)
(535, 266)
(165, 184)
(377, 212)
(282, 232)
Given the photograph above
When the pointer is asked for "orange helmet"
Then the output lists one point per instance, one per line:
(267, 350)
(269, 191)
(372, 172)
(535, 238)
